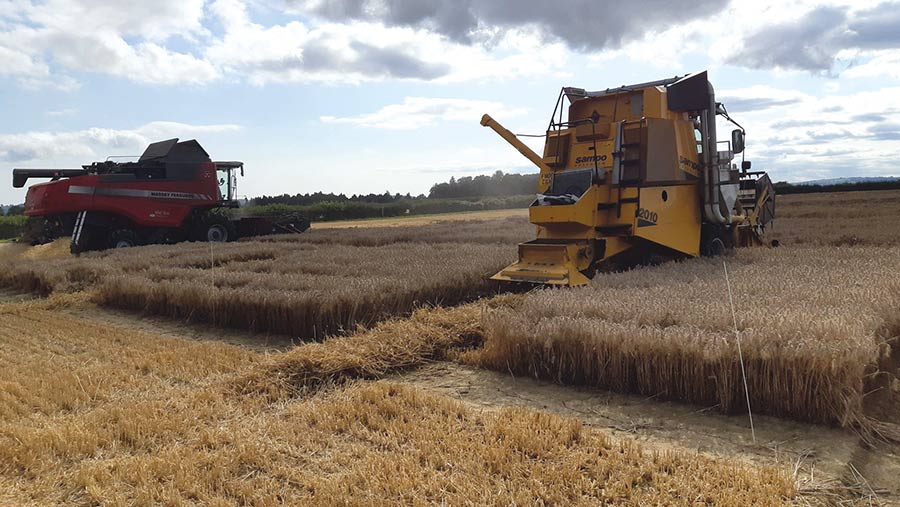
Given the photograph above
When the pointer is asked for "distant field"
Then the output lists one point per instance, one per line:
(831, 219)
(836, 219)
(11, 226)
(327, 211)
(418, 220)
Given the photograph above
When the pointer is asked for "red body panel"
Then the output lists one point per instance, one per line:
(147, 203)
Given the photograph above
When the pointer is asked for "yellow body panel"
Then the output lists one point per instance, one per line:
(580, 216)
(673, 222)
(613, 215)
(552, 264)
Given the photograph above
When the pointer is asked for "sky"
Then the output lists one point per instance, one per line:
(363, 96)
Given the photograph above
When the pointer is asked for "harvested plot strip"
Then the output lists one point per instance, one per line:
(106, 415)
(303, 287)
(507, 231)
(53, 363)
(811, 323)
(375, 444)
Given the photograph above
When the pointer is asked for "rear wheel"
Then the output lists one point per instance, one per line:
(714, 248)
(122, 238)
(712, 240)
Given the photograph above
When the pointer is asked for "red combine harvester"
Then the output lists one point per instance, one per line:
(173, 193)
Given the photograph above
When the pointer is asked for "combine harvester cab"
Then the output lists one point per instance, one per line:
(637, 175)
(173, 193)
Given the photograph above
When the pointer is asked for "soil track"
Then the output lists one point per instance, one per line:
(826, 455)
(417, 220)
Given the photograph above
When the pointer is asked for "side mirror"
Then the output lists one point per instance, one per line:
(745, 165)
(737, 140)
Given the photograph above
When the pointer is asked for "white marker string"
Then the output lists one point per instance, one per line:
(740, 353)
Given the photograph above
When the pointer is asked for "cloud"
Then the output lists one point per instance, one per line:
(172, 42)
(869, 117)
(41, 40)
(815, 40)
(84, 146)
(416, 112)
(585, 25)
(876, 28)
(358, 51)
(392, 61)
(885, 131)
(800, 122)
(816, 139)
(807, 43)
(884, 63)
(745, 104)
(759, 98)
(62, 112)
(48, 44)
(294, 52)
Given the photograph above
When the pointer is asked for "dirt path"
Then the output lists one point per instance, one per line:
(417, 220)
(7, 296)
(827, 452)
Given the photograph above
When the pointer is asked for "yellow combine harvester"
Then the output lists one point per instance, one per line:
(637, 175)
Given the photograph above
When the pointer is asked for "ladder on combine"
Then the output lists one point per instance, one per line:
(630, 157)
(626, 175)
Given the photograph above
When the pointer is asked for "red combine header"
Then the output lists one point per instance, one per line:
(173, 193)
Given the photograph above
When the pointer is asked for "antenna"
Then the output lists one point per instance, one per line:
(737, 335)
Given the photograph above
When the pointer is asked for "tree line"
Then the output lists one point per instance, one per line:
(783, 187)
(499, 184)
(321, 197)
(495, 185)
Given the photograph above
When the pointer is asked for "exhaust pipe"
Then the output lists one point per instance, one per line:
(695, 94)
(712, 209)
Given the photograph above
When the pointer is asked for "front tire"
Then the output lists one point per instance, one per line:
(216, 228)
(714, 248)
(122, 238)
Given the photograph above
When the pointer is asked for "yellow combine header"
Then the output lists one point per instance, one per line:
(637, 175)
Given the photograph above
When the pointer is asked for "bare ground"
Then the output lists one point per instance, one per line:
(12, 297)
(417, 220)
(827, 456)
(258, 342)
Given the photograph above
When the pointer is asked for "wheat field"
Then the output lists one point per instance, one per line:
(812, 323)
(812, 314)
(838, 219)
(310, 285)
(96, 414)
(93, 413)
